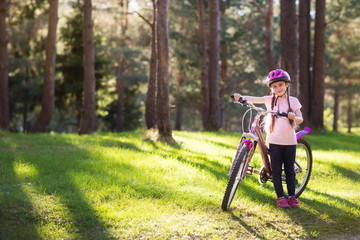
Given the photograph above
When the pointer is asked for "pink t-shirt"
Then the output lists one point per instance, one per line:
(283, 133)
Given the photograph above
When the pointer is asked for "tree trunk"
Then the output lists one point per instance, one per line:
(304, 59)
(203, 65)
(269, 37)
(120, 76)
(78, 108)
(288, 44)
(179, 114)
(162, 100)
(349, 113)
(4, 64)
(150, 107)
(42, 122)
(214, 108)
(349, 107)
(179, 104)
(223, 77)
(88, 118)
(120, 89)
(25, 93)
(223, 67)
(336, 110)
(318, 89)
(269, 34)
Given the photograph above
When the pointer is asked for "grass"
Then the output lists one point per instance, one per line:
(120, 186)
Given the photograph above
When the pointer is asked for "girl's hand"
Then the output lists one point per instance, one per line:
(291, 115)
(297, 118)
(237, 96)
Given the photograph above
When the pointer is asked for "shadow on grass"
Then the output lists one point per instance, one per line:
(56, 160)
(334, 141)
(211, 140)
(350, 174)
(324, 218)
(17, 216)
(245, 217)
(52, 178)
(203, 163)
(316, 218)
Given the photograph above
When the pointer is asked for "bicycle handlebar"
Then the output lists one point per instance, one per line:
(246, 103)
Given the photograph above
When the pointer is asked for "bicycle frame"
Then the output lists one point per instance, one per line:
(257, 139)
(256, 135)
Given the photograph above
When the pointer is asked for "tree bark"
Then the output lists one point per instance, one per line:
(288, 44)
(203, 65)
(120, 76)
(223, 67)
(349, 107)
(269, 33)
(318, 89)
(162, 100)
(120, 89)
(4, 65)
(304, 59)
(150, 107)
(42, 122)
(88, 118)
(223, 78)
(336, 110)
(214, 108)
(349, 113)
(179, 104)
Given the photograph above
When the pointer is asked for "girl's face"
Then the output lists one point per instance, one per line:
(279, 88)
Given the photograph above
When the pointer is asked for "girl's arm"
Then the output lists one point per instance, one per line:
(254, 100)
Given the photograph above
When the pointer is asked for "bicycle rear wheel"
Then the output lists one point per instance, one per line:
(235, 178)
(302, 166)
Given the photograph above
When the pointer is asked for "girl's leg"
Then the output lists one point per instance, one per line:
(276, 167)
(289, 160)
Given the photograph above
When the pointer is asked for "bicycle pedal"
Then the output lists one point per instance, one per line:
(250, 170)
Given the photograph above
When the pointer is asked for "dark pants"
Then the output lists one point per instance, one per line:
(280, 154)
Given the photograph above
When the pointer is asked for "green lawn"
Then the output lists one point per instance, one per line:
(121, 186)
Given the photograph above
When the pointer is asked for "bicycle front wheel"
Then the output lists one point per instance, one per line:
(235, 178)
(303, 166)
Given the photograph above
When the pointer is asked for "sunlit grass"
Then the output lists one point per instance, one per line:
(122, 186)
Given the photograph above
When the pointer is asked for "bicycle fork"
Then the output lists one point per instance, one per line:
(245, 165)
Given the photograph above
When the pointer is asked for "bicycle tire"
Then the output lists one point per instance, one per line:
(305, 161)
(234, 179)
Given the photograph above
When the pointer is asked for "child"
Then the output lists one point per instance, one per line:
(281, 135)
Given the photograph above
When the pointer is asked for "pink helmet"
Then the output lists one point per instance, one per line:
(277, 75)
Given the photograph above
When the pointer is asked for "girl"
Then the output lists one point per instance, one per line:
(280, 133)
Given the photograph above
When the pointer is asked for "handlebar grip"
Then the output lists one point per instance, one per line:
(241, 99)
(282, 114)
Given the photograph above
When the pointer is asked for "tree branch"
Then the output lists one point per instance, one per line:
(259, 9)
(334, 19)
(338, 15)
(143, 18)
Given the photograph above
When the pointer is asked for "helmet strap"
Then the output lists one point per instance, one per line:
(287, 89)
(283, 94)
(276, 100)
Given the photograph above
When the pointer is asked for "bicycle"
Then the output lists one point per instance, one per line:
(247, 146)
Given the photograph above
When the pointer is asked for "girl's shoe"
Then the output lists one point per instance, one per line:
(293, 202)
(282, 202)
